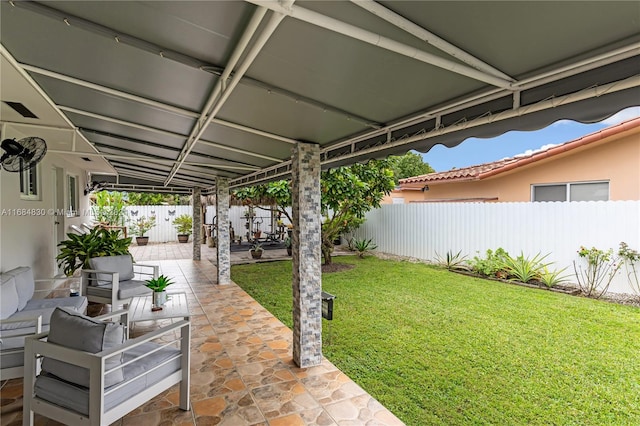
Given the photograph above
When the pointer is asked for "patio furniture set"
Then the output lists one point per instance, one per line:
(83, 370)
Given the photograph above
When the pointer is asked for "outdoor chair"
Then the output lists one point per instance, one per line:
(93, 375)
(115, 280)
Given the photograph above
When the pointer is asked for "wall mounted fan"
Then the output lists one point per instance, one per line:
(23, 154)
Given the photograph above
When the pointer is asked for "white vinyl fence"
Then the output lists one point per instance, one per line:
(165, 231)
(422, 230)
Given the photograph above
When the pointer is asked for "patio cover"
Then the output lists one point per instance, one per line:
(175, 94)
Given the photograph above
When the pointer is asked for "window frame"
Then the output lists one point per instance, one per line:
(567, 186)
(72, 200)
(30, 178)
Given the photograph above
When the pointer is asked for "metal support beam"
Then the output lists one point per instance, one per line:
(156, 104)
(374, 39)
(219, 95)
(159, 131)
(428, 37)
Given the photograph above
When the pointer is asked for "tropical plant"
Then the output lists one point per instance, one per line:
(525, 269)
(630, 258)
(601, 268)
(552, 278)
(347, 193)
(142, 225)
(109, 208)
(408, 165)
(183, 224)
(363, 247)
(156, 199)
(451, 260)
(159, 284)
(257, 247)
(493, 265)
(78, 249)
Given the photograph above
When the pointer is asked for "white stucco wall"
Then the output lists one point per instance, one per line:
(27, 227)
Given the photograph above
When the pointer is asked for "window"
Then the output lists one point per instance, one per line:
(581, 191)
(30, 184)
(72, 188)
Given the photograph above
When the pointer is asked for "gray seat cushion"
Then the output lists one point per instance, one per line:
(122, 264)
(128, 289)
(76, 331)
(76, 398)
(44, 308)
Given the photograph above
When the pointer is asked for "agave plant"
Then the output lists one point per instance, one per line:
(78, 249)
(525, 269)
(364, 246)
(159, 284)
(452, 260)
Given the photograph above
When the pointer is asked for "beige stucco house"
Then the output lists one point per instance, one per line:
(604, 165)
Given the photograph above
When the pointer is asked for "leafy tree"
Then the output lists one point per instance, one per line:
(408, 165)
(156, 199)
(347, 193)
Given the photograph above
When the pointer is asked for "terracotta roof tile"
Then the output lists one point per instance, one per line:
(482, 171)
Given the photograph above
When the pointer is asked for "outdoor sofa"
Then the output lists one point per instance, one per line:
(22, 315)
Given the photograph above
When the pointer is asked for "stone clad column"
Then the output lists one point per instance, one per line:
(307, 273)
(222, 227)
(197, 223)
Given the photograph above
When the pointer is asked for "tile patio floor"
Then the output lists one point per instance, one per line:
(242, 371)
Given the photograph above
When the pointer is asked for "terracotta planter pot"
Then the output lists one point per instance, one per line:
(142, 241)
(289, 251)
(256, 254)
(183, 238)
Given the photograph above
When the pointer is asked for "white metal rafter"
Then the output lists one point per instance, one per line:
(428, 37)
(380, 41)
(223, 89)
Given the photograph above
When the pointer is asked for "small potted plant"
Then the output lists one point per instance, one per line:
(159, 286)
(141, 226)
(256, 251)
(287, 244)
(184, 226)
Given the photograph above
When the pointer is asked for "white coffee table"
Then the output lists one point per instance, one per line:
(176, 307)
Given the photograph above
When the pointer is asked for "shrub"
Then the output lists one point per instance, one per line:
(525, 269)
(630, 259)
(142, 225)
(492, 265)
(451, 260)
(183, 224)
(601, 268)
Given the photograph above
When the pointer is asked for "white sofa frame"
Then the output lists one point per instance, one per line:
(18, 371)
(37, 347)
(89, 275)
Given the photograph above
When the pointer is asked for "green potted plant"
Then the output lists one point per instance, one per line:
(76, 251)
(256, 251)
(159, 286)
(140, 227)
(287, 244)
(184, 226)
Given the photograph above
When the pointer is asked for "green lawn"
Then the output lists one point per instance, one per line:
(441, 348)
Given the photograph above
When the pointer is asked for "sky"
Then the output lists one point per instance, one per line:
(475, 151)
